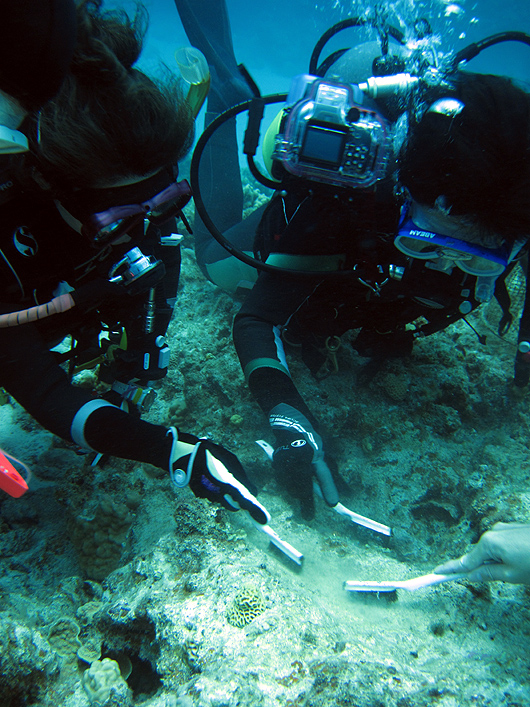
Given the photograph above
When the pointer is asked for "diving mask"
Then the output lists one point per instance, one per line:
(471, 258)
(106, 227)
(447, 251)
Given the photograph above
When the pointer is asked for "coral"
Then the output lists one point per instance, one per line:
(189, 558)
(191, 650)
(395, 386)
(253, 195)
(178, 411)
(102, 678)
(28, 664)
(100, 540)
(86, 612)
(246, 605)
(445, 420)
(297, 673)
(90, 650)
(63, 637)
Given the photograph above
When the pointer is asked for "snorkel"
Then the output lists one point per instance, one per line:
(194, 70)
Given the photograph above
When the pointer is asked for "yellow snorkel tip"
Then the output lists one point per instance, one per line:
(194, 69)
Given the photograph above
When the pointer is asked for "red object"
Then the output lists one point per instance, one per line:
(10, 480)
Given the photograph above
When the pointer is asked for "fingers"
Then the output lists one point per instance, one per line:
(502, 526)
(236, 494)
(508, 526)
(234, 501)
(449, 567)
(489, 572)
(325, 479)
(492, 573)
(467, 563)
(483, 553)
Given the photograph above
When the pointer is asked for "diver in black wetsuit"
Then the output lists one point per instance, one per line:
(83, 246)
(432, 250)
(459, 226)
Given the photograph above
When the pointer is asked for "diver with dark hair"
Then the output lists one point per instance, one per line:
(88, 250)
(397, 242)
(433, 254)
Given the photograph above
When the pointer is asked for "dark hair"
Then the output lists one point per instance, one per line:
(478, 159)
(109, 120)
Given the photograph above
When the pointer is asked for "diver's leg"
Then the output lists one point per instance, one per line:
(208, 28)
(226, 271)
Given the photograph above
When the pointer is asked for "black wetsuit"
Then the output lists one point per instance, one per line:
(38, 252)
(386, 290)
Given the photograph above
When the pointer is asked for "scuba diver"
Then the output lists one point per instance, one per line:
(401, 204)
(87, 245)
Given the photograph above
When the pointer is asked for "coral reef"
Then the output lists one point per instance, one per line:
(439, 462)
(247, 604)
(395, 386)
(103, 679)
(28, 664)
(63, 638)
(100, 540)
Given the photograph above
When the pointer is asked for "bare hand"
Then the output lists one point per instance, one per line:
(502, 553)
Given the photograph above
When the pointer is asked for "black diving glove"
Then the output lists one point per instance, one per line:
(212, 472)
(298, 456)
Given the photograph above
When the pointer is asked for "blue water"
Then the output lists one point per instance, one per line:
(274, 38)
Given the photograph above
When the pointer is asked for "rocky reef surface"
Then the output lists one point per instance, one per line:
(117, 590)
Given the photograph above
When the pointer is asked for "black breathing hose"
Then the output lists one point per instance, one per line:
(201, 208)
(472, 50)
(345, 24)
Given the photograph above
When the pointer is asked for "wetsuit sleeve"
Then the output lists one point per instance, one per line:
(29, 372)
(258, 342)
(293, 233)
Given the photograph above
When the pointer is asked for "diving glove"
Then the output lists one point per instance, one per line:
(298, 456)
(212, 472)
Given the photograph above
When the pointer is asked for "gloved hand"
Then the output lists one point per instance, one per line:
(212, 472)
(298, 456)
(502, 553)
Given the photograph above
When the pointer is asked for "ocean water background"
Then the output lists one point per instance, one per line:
(274, 38)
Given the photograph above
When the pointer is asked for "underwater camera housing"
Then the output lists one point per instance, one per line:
(331, 134)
